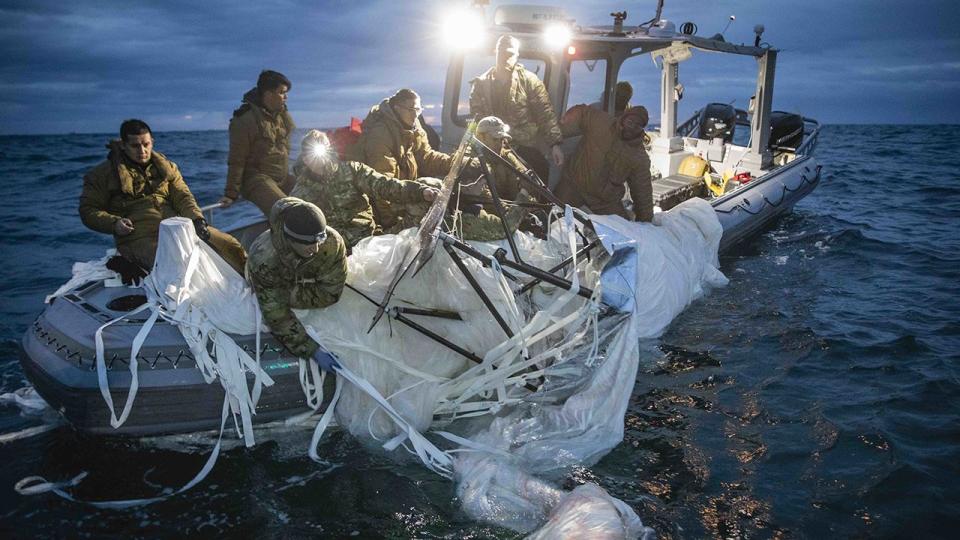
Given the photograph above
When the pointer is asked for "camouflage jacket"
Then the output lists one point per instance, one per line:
(259, 144)
(603, 163)
(480, 224)
(283, 281)
(391, 149)
(119, 188)
(346, 197)
(527, 109)
(506, 180)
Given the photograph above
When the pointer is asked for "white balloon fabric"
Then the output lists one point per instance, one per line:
(588, 363)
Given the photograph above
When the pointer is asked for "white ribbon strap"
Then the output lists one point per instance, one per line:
(134, 351)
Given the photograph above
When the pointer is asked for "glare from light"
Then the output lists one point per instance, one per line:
(463, 30)
(557, 36)
(571, 50)
(319, 150)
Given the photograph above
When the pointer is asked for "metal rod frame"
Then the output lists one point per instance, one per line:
(584, 251)
(395, 314)
(480, 292)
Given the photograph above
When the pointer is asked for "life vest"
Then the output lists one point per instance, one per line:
(345, 138)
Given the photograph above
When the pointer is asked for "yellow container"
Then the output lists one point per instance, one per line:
(694, 166)
(715, 183)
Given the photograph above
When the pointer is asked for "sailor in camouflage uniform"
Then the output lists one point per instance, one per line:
(300, 263)
(480, 221)
(345, 190)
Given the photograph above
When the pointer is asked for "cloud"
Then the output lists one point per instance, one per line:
(85, 65)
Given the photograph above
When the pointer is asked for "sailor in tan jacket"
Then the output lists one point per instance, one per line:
(260, 133)
(609, 156)
(395, 144)
(136, 188)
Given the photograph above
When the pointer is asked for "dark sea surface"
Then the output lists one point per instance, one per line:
(816, 396)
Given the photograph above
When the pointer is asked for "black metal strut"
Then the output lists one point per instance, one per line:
(585, 250)
(396, 314)
(476, 287)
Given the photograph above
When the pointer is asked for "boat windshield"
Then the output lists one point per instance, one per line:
(588, 80)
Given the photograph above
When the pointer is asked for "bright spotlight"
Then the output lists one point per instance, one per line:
(463, 30)
(557, 36)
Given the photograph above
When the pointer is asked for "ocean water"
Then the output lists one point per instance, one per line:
(816, 396)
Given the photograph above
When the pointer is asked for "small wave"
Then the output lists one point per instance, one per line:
(890, 152)
(679, 359)
(72, 176)
(89, 158)
(857, 241)
(900, 346)
(214, 154)
(31, 158)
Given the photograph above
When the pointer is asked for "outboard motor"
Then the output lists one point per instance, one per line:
(786, 130)
(717, 120)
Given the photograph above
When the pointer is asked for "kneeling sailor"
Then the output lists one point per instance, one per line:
(300, 263)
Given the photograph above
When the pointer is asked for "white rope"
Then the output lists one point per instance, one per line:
(311, 381)
(324, 423)
(134, 351)
(228, 363)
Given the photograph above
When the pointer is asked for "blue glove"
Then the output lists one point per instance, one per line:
(326, 360)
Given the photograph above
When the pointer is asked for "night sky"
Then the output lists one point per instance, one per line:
(84, 66)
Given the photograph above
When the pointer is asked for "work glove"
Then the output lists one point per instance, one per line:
(200, 225)
(326, 360)
(130, 272)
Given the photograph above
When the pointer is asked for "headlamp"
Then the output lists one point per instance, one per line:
(319, 150)
(308, 239)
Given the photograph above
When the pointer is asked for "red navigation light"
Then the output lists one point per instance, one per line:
(571, 50)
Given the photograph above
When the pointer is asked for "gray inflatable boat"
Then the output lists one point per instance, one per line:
(58, 356)
(58, 351)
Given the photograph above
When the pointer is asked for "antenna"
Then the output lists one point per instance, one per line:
(719, 35)
(656, 19)
(732, 18)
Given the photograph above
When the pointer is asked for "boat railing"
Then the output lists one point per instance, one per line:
(688, 127)
(692, 123)
(810, 139)
(207, 211)
(811, 130)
